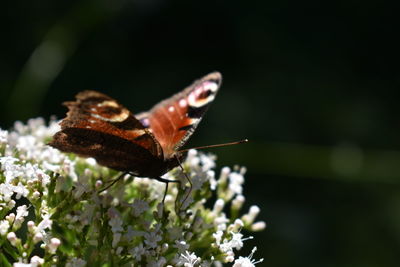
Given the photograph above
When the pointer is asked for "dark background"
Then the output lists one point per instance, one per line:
(313, 85)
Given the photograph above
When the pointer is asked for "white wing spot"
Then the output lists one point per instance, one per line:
(116, 118)
(198, 91)
(192, 99)
(196, 102)
(145, 122)
(171, 109)
(182, 103)
(108, 103)
(210, 86)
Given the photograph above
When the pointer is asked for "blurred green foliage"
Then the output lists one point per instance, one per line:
(313, 85)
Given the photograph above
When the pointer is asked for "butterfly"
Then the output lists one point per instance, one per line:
(144, 145)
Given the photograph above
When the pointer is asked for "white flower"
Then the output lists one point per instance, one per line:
(247, 261)
(116, 239)
(80, 189)
(31, 226)
(10, 217)
(116, 225)
(157, 263)
(151, 239)
(225, 171)
(53, 245)
(200, 166)
(251, 216)
(236, 226)
(192, 158)
(20, 264)
(91, 161)
(115, 220)
(4, 226)
(220, 222)
(27, 145)
(207, 161)
(11, 170)
(3, 136)
(6, 192)
(33, 172)
(237, 240)
(37, 237)
(139, 206)
(44, 224)
(49, 155)
(160, 210)
(174, 232)
(130, 234)
(198, 180)
(22, 211)
(11, 204)
(181, 245)
(218, 206)
(69, 168)
(235, 182)
(258, 226)
(76, 262)
(218, 237)
(20, 190)
(138, 251)
(50, 167)
(188, 259)
(238, 202)
(36, 260)
(12, 237)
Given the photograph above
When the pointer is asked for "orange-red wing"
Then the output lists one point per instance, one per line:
(173, 120)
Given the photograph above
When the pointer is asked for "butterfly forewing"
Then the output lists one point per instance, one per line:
(98, 126)
(97, 112)
(173, 120)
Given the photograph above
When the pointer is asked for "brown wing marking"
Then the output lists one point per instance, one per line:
(98, 112)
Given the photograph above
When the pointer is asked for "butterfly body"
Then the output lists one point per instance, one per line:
(147, 144)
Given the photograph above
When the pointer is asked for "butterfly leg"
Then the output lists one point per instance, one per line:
(187, 178)
(114, 181)
(166, 181)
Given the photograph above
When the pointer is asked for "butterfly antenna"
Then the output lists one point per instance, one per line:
(217, 145)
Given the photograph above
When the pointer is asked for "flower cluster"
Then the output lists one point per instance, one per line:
(54, 209)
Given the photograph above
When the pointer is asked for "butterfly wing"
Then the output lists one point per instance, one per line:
(174, 120)
(98, 126)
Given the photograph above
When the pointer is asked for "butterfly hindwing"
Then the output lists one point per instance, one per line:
(173, 120)
(108, 150)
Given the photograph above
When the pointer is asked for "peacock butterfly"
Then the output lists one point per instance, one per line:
(144, 145)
